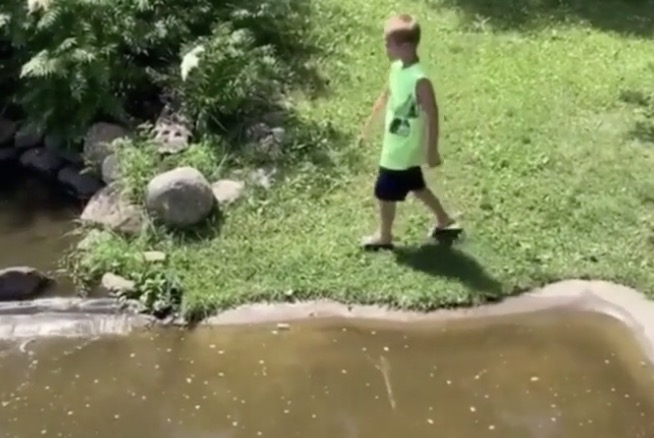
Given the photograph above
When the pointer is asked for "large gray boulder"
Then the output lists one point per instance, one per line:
(99, 142)
(79, 181)
(22, 283)
(110, 209)
(181, 197)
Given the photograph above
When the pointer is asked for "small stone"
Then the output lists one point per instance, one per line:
(116, 284)
(227, 191)
(283, 326)
(154, 256)
(172, 131)
(257, 131)
(22, 283)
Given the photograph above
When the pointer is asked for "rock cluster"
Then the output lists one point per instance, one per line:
(177, 198)
(46, 155)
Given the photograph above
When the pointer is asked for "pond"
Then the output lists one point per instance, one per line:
(36, 222)
(538, 375)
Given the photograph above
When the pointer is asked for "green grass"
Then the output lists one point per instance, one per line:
(548, 159)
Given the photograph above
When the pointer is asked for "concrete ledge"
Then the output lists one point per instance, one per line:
(623, 303)
(77, 317)
(60, 305)
(21, 327)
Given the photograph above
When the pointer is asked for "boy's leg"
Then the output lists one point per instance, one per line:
(390, 188)
(443, 220)
(384, 235)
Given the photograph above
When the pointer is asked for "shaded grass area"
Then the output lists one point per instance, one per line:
(627, 17)
(540, 162)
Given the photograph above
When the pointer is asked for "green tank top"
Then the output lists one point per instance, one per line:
(403, 145)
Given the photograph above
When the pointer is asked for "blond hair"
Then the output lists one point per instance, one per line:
(403, 28)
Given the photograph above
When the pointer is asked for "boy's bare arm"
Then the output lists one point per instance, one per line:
(427, 101)
(377, 108)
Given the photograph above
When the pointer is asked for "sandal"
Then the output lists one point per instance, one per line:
(452, 230)
(374, 243)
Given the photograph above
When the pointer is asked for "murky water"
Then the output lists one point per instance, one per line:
(534, 376)
(35, 225)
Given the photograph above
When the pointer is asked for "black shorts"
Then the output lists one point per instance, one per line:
(394, 185)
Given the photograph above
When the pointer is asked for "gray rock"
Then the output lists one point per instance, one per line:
(154, 256)
(28, 137)
(110, 209)
(172, 131)
(181, 197)
(7, 131)
(22, 283)
(98, 142)
(227, 191)
(81, 182)
(115, 284)
(42, 161)
(8, 156)
(54, 144)
(264, 141)
(257, 131)
(94, 237)
(110, 171)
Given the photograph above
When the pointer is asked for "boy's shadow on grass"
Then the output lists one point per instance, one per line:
(444, 261)
(643, 132)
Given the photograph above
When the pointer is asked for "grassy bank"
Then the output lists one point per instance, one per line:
(548, 157)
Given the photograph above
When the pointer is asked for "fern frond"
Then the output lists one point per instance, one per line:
(40, 65)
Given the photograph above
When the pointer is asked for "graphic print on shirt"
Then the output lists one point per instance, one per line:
(400, 125)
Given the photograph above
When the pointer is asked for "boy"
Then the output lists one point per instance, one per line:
(411, 110)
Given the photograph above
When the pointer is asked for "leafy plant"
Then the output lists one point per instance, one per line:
(157, 291)
(80, 60)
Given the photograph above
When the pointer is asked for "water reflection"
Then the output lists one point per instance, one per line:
(540, 376)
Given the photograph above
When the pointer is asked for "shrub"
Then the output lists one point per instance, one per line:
(81, 60)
